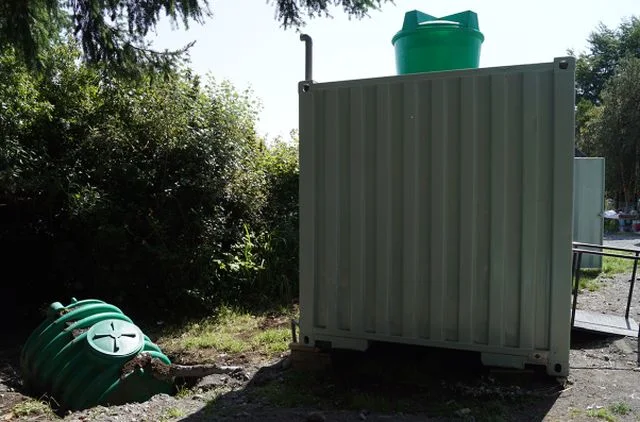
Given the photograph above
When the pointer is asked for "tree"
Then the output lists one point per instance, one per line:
(607, 47)
(616, 130)
(603, 125)
(113, 32)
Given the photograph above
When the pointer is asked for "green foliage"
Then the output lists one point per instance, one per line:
(145, 193)
(619, 128)
(110, 32)
(279, 228)
(113, 32)
(620, 408)
(607, 47)
(612, 130)
(293, 13)
(266, 258)
(587, 137)
(30, 25)
(608, 89)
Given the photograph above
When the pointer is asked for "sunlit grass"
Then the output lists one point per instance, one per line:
(33, 408)
(591, 279)
(233, 332)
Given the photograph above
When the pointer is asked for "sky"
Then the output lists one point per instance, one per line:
(244, 44)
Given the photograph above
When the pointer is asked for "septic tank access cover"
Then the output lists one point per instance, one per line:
(117, 338)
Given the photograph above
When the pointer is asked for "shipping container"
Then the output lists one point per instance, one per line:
(436, 210)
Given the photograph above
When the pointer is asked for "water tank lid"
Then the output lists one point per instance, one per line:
(115, 338)
(415, 20)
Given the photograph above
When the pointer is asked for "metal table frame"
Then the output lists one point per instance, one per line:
(579, 249)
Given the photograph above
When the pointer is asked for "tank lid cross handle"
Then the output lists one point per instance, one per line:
(115, 333)
(415, 18)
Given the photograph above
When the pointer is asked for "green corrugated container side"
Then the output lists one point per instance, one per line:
(588, 205)
(436, 210)
(77, 353)
(429, 44)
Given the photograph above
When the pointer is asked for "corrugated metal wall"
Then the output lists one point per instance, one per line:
(436, 209)
(588, 205)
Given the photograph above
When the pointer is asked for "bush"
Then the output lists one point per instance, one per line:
(146, 194)
(263, 265)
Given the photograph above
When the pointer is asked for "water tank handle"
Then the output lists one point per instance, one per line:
(415, 18)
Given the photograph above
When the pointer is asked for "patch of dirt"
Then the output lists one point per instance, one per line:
(604, 370)
(603, 375)
(195, 357)
(9, 382)
(611, 296)
(275, 321)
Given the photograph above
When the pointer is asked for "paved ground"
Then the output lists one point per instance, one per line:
(623, 240)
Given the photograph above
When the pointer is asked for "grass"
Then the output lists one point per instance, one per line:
(574, 413)
(607, 413)
(33, 407)
(183, 392)
(620, 408)
(611, 266)
(232, 332)
(171, 414)
(273, 341)
(603, 414)
(236, 332)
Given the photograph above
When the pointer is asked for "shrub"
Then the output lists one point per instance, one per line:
(263, 265)
(139, 192)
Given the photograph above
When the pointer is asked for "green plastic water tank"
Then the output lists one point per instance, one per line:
(429, 44)
(77, 353)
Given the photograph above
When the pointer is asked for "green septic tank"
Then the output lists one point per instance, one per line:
(429, 44)
(76, 355)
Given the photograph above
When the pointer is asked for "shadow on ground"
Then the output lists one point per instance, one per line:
(399, 382)
(389, 382)
(589, 340)
(10, 382)
(9, 375)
